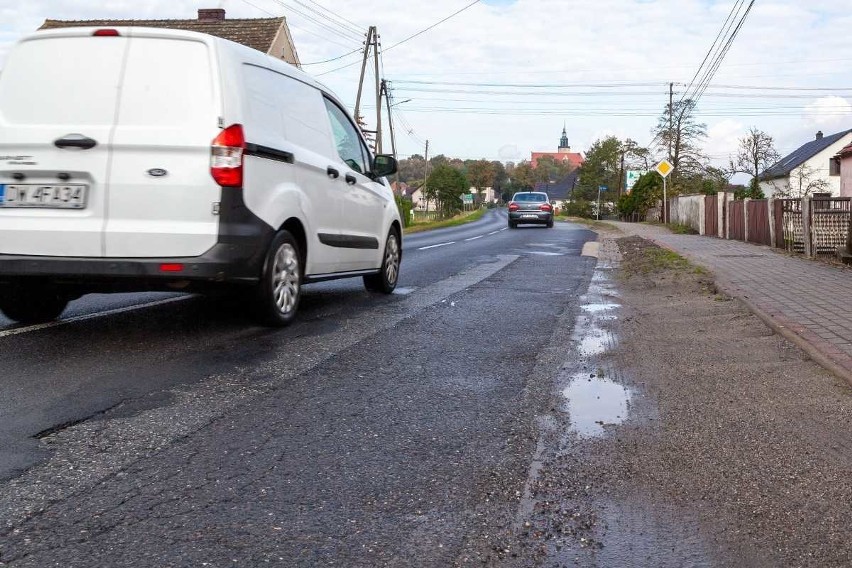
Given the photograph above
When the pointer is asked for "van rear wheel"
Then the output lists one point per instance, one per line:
(276, 297)
(385, 280)
(32, 303)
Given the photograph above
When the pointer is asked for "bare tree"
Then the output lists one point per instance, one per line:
(803, 181)
(755, 154)
(683, 137)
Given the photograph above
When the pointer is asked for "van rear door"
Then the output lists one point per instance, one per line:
(161, 194)
(58, 97)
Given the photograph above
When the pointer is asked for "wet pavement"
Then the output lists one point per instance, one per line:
(805, 300)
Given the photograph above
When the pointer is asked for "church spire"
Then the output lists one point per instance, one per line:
(563, 142)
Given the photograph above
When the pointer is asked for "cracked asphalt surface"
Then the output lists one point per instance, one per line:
(516, 405)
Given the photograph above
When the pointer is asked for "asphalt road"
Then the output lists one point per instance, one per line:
(375, 430)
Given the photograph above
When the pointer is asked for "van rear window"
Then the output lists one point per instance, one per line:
(62, 81)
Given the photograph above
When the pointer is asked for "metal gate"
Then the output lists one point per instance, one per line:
(791, 235)
(829, 224)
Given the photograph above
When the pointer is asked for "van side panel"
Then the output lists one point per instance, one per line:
(287, 115)
(49, 91)
(161, 196)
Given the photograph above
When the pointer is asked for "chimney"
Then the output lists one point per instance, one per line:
(211, 14)
(819, 135)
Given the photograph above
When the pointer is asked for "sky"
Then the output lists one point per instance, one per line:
(500, 79)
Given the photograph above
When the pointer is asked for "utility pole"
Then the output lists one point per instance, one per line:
(386, 92)
(370, 33)
(426, 175)
(378, 93)
(671, 110)
(671, 103)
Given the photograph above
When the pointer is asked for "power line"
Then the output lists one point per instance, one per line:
(359, 50)
(332, 26)
(424, 30)
(343, 23)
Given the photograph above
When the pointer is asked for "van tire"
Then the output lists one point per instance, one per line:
(32, 304)
(276, 296)
(388, 275)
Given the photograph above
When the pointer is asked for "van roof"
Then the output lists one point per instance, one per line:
(243, 52)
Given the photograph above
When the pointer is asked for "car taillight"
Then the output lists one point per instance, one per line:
(513, 207)
(545, 207)
(106, 32)
(171, 267)
(226, 156)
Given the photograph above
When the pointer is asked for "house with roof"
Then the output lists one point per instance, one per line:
(813, 168)
(560, 190)
(845, 159)
(563, 154)
(269, 35)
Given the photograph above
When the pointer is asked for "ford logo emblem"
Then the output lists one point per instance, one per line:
(157, 172)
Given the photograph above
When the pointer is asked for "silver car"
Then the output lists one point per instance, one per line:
(530, 207)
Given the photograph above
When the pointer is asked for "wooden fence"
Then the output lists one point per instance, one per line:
(814, 226)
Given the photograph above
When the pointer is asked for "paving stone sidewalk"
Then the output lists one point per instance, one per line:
(805, 300)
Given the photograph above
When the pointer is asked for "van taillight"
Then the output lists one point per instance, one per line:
(106, 32)
(226, 157)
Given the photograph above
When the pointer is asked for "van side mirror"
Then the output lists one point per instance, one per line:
(384, 165)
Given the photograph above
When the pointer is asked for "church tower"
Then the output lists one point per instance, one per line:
(564, 146)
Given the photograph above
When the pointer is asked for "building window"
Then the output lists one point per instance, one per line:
(834, 167)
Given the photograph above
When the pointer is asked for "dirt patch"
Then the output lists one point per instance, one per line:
(735, 452)
(750, 437)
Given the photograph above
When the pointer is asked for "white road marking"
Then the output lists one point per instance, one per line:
(474, 238)
(29, 328)
(495, 232)
(436, 246)
(503, 229)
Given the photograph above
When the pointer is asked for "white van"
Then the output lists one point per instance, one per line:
(155, 159)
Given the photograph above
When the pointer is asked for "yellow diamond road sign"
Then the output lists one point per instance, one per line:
(664, 168)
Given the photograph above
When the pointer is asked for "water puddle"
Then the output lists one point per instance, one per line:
(595, 402)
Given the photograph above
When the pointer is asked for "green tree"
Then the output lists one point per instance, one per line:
(412, 169)
(548, 169)
(523, 177)
(445, 186)
(646, 193)
(480, 173)
(601, 168)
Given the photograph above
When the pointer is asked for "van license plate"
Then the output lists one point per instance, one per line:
(49, 196)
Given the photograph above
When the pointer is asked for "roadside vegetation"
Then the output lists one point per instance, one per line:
(643, 258)
(460, 219)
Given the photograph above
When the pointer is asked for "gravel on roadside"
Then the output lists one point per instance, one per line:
(736, 451)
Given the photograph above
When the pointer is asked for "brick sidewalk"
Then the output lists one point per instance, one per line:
(807, 301)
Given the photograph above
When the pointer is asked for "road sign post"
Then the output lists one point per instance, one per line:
(664, 168)
(600, 189)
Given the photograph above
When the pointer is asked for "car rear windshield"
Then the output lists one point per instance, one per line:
(530, 197)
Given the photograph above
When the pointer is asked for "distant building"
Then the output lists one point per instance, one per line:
(562, 155)
(845, 159)
(269, 35)
(812, 168)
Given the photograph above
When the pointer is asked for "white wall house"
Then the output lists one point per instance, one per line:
(811, 168)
